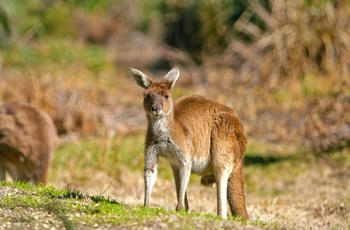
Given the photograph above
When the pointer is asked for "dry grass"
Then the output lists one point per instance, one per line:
(76, 99)
(298, 37)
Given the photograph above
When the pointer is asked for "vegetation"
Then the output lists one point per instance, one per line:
(279, 192)
(292, 55)
(282, 65)
(72, 209)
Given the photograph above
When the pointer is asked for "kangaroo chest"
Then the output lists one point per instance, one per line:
(163, 143)
(168, 150)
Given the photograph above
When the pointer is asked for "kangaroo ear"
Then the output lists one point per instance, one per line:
(140, 78)
(171, 77)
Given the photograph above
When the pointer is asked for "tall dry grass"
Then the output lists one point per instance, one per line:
(295, 38)
(77, 101)
(296, 41)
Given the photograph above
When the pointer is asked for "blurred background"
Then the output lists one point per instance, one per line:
(284, 66)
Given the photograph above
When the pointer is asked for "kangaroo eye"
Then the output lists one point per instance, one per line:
(166, 96)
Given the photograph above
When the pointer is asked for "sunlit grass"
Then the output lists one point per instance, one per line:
(76, 209)
(268, 171)
(266, 164)
(80, 158)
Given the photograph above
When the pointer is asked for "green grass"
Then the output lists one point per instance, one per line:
(74, 208)
(103, 154)
(94, 154)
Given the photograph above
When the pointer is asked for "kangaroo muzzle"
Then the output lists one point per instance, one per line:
(156, 107)
(157, 110)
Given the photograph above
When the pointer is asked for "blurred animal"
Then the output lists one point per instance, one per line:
(28, 139)
(194, 134)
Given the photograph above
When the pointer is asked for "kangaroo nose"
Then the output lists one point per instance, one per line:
(156, 109)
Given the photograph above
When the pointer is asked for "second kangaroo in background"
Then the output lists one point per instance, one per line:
(197, 135)
(28, 139)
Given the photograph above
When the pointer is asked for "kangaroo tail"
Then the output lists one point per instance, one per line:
(235, 193)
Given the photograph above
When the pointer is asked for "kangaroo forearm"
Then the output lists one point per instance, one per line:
(150, 176)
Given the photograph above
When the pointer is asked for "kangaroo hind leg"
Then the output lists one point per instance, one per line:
(221, 190)
(176, 174)
(222, 167)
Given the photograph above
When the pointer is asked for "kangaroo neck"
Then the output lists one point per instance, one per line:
(161, 127)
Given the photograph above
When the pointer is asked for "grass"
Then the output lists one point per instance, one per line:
(102, 154)
(271, 175)
(92, 155)
(77, 210)
(98, 154)
(111, 155)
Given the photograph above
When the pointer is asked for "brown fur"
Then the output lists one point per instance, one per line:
(196, 135)
(28, 139)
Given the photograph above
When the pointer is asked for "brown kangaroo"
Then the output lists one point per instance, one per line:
(194, 134)
(28, 139)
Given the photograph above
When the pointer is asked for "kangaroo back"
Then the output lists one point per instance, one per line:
(28, 139)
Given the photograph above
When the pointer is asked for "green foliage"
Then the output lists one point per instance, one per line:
(58, 53)
(57, 21)
(5, 30)
(90, 5)
(148, 12)
(281, 42)
(23, 17)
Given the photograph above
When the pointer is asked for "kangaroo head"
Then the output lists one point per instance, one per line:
(157, 95)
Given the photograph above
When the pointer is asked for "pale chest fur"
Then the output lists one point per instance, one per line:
(163, 142)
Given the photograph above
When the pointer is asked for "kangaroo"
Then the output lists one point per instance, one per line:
(196, 135)
(28, 139)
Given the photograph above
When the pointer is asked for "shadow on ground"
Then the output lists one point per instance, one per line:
(264, 160)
